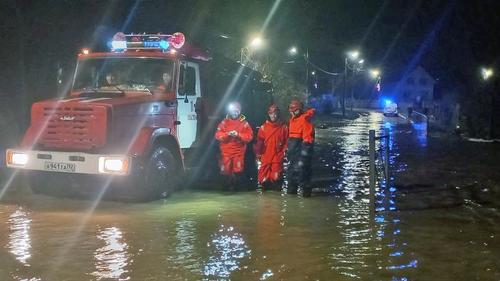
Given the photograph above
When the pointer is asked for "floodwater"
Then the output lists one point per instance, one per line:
(214, 235)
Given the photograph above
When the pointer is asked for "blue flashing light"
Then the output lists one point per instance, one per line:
(119, 45)
(151, 44)
(164, 44)
(387, 101)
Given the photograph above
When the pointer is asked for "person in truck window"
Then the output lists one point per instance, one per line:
(233, 134)
(270, 149)
(300, 148)
(111, 79)
(164, 85)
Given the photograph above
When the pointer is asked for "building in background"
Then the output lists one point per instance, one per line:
(416, 89)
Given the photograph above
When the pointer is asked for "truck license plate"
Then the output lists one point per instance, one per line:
(60, 167)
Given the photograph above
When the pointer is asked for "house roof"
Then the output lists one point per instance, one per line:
(420, 70)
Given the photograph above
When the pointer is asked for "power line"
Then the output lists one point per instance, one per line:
(321, 69)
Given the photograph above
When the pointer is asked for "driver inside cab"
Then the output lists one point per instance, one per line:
(164, 86)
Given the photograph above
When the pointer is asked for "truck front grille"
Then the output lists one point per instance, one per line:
(81, 127)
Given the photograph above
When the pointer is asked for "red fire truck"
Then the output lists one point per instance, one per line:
(135, 118)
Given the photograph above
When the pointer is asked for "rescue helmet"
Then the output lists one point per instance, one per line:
(295, 105)
(273, 108)
(234, 109)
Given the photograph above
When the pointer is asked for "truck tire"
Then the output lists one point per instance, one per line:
(162, 173)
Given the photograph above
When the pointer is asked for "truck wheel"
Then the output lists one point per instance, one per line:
(162, 172)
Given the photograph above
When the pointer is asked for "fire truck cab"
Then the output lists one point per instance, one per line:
(131, 117)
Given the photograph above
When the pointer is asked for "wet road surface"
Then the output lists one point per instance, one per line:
(214, 235)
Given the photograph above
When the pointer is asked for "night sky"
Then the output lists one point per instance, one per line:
(451, 39)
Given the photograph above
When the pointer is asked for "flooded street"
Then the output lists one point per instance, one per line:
(215, 235)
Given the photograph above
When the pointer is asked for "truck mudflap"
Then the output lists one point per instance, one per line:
(69, 162)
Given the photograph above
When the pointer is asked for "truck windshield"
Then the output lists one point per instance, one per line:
(143, 74)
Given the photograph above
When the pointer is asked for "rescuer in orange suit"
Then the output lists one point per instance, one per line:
(270, 148)
(233, 133)
(300, 148)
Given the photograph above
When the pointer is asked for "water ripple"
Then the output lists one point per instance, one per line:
(227, 248)
(19, 239)
(112, 259)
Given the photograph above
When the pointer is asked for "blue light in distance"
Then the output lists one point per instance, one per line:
(387, 101)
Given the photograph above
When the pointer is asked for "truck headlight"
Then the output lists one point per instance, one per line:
(114, 165)
(16, 158)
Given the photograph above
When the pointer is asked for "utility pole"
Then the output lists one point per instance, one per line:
(345, 88)
(352, 87)
(307, 76)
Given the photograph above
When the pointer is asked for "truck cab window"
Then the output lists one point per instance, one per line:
(189, 74)
(135, 74)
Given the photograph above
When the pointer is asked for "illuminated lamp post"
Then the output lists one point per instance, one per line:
(487, 74)
(255, 43)
(351, 56)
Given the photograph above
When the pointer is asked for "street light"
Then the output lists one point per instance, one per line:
(247, 52)
(353, 54)
(486, 73)
(256, 43)
(375, 73)
(356, 65)
(293, 51)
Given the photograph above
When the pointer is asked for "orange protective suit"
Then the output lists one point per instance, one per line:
(299, 153)
(302, 128)
(233, 147)
(271, 146)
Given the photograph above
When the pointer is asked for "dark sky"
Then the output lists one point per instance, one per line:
(395, 35)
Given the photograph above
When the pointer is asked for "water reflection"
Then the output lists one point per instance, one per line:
(387, 218)
(227, 248)
(19, 239)
(112, 259)
(421, 132)
(185, 233)
(352, 254)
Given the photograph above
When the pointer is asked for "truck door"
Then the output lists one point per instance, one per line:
(187, 93)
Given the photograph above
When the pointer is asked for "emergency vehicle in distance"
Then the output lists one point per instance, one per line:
(135, 119)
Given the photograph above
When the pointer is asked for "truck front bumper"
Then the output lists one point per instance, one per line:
(69, 162)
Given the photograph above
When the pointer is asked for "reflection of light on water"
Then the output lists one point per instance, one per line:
(421, 131)
(388, 222)
(19, 239)
(227, 248)
(266, 275)
(186, 239)
(283, 212)
(111, 260)
(350, 257)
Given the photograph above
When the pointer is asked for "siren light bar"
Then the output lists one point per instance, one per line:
(122, 42)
